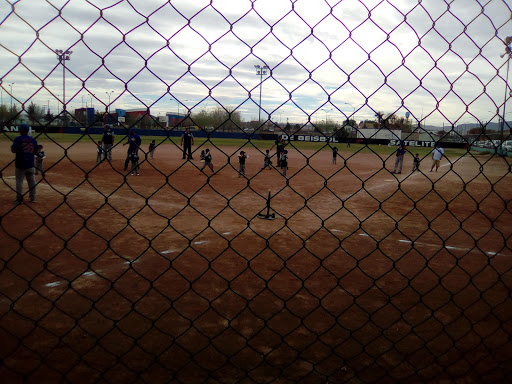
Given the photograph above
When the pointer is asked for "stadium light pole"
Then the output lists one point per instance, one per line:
(508, 53)
(10, 86)
(63, 56)
(92, 106)
(177, 102)
(326, 111)
(260, 71)
(353, 115)
(109, 94)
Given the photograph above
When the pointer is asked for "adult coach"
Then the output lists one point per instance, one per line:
(134, 142)
(187, 140)
(399, 161)
(280, 143)
(108, 142)
(24, 147)
(437, 155)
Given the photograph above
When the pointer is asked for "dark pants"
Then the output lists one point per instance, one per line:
(187, 147)
(278, 155)
(127, 161)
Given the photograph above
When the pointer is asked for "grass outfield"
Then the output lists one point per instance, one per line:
(260, 144)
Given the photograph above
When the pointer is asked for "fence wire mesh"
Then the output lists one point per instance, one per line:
(345, 265)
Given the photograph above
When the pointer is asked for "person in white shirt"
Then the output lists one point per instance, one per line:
(437, 155)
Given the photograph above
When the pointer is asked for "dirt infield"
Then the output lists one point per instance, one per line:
(170, 276)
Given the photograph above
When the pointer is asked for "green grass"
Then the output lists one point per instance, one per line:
(66, 138)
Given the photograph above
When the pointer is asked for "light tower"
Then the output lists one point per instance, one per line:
(508, 53)
(260, 71)
(63, 56)
(10, 86)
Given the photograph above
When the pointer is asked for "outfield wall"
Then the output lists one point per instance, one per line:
(493, 150)
(121, 132)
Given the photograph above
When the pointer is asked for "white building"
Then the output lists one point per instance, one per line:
(379, 133)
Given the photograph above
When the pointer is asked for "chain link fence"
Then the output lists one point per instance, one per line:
(345, 265)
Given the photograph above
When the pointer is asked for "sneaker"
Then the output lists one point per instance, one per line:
(398, 173)
(18, 201)
(131, 174)
(33, 201)
(137, 173)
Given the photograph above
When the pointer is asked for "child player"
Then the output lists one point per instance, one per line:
(284, 162)
(152, 147)
(266, 161)
(241, 163)
(39, 157)
(416, 163)
(334, 154)
(134, 159)
(207, 161)
(99, 151)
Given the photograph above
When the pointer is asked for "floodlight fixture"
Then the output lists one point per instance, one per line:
(261, 70)
(63, 56)
(109, 94)
(508, 53)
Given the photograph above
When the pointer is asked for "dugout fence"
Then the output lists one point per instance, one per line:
(345, 270)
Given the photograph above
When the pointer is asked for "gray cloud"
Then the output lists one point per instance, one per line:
(429, 55)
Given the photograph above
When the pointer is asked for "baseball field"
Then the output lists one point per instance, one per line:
(364, 276)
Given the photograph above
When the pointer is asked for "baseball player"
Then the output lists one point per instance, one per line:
(99, 152)
(108, 142)
(284, 162)
(39, 157)
(24, 147)
(399, 161)
(134, 159)
(241, 163)
(266, 161)
(207, 161)
(134, 142)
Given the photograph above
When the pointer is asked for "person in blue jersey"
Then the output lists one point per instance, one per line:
(24, 146)
(399, 160)
(134, 142)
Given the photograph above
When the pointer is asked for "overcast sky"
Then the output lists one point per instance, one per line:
(439, 60)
